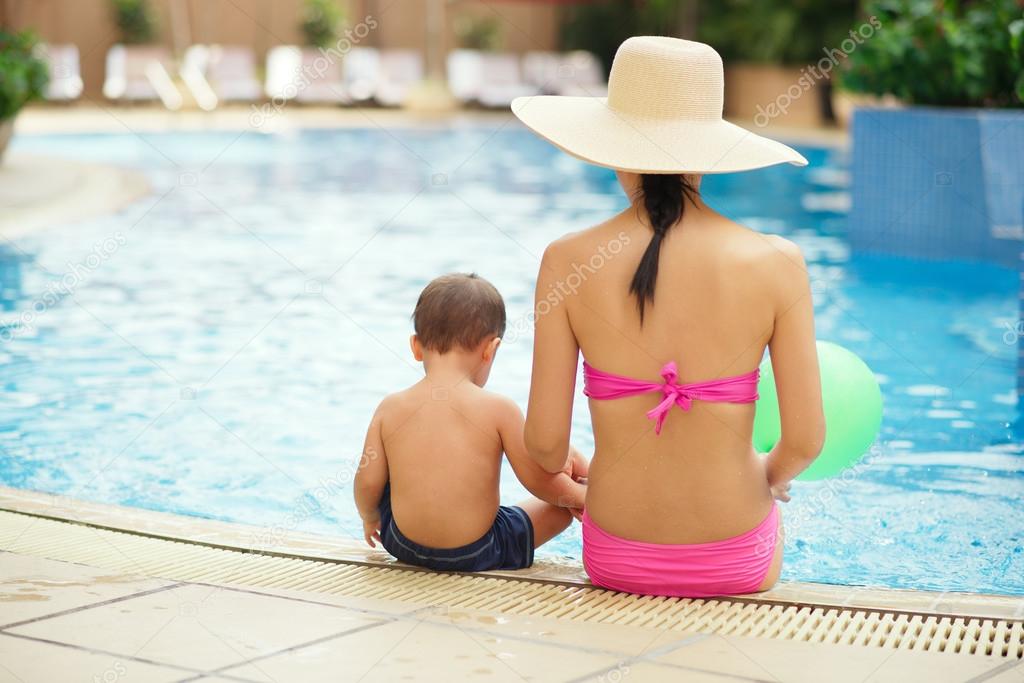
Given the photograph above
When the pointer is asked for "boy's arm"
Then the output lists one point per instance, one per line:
(371, 477)
(558, 488)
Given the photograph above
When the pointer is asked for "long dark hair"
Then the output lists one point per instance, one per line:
(664, 198)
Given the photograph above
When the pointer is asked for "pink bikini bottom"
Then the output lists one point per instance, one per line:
(734, 566)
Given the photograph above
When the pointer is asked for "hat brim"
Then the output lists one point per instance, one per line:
(587, 128)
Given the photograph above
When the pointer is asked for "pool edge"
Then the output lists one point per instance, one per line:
(281, 542)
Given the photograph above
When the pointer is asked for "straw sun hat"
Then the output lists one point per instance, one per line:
(663, 114)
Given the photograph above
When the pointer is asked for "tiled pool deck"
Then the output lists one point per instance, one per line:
(347, 613)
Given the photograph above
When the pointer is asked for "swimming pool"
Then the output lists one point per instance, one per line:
(216, 349)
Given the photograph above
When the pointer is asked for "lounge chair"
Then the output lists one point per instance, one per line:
(283, 65)
(465, 74)
(140, 73)
(502, 80)
(541, 70)
(581, 73)
(400, 71)
(65, 73)
(361, 73)
(492, 79)
(305, 75)
(193, 74)
(229, 70)
(573, 73)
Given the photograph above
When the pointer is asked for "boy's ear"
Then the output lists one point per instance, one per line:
(491, 348)
(417, 348)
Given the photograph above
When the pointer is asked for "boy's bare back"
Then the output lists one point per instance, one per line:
(443, 447)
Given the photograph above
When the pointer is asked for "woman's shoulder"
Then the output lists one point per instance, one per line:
(568, 247)
(764, 247)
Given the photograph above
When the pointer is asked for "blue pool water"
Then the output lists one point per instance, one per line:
(216, 348)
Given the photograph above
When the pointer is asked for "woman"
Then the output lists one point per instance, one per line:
(672, 306)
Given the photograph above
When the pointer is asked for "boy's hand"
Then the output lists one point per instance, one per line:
(577, 466)
(371, 531)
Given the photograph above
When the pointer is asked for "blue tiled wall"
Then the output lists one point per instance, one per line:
(938, 183)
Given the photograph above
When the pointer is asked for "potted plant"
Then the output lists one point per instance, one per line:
(23, 78)
(943, 176)
(478, 33)
(131, 61)
(321, 22)
(135, 21)
(779, 56)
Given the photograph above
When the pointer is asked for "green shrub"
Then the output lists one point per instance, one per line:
(321, 21)
(135, 20)
(23, 75)
(771, 31)
(942, 52)
(478, 33)
(601, 27)
(775, 32)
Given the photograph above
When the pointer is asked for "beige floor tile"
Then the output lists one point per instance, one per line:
(1014, 674)
(198, 626)
(778, 659)
(408, 650)
(32, 587)
(796, 662)
(25, 661)
(907, 666)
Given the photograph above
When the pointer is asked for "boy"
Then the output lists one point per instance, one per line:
(427, 486)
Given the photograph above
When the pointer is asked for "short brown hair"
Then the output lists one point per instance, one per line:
(458, 310)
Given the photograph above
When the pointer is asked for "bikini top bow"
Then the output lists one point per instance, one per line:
(674, 394)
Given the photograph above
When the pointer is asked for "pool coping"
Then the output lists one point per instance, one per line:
(38, 192)
(84, 119)
(283, 542)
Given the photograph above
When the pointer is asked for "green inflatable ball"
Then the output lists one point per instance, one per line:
(853, 411)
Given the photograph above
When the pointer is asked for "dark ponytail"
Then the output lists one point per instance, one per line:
(664, 197)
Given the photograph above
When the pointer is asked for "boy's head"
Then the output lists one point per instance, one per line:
(459, 312)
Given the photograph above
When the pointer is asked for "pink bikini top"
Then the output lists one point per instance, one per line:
(602, 386)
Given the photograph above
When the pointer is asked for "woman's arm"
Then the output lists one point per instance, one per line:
(555, 360)
(556, 488)
(797, 377)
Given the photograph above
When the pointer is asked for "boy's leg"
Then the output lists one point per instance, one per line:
(548, 520)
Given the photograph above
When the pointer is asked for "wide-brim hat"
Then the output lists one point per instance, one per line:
(663, 114)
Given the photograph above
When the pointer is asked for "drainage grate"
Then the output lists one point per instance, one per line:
(181, 561)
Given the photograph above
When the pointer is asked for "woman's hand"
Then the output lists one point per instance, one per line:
(780, 492)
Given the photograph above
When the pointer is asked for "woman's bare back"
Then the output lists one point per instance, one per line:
(716, 299)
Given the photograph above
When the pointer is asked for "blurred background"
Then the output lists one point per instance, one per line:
(952, 53)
